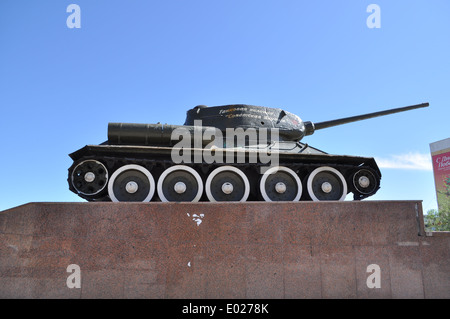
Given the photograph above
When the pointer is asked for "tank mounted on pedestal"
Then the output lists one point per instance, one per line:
(223, 153)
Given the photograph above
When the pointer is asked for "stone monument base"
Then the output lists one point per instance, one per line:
(367, 249)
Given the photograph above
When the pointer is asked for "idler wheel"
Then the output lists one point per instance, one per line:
(89, 177)
(365, 181)
(180, 183)
(326, 183)
(131, 183)
(227, 183)
(280, 184)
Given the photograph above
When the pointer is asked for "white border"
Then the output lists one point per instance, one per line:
(330, 169)
(227, 168)
(131, 167)
(180, 168)
(274, 170)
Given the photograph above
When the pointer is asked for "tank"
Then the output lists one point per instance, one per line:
(222, 153)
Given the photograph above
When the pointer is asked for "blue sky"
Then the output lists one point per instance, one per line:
(150, 61)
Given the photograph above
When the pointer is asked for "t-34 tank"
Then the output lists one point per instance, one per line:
(222, 153)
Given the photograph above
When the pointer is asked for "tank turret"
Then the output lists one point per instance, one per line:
(290, 127)
(199, 161)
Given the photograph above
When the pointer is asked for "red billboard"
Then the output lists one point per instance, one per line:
(440, 154)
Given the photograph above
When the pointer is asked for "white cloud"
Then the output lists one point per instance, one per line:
(414, 161)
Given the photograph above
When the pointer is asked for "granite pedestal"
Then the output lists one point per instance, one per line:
(222, 250)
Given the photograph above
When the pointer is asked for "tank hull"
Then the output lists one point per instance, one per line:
(298, 158)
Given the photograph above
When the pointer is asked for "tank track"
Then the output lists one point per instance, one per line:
(109, 162)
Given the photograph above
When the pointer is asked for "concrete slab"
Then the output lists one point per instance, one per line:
(222, 250)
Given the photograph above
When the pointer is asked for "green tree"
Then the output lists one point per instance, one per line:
(438, 220)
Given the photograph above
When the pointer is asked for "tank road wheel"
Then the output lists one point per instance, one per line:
(180, 183)
(326, 183)
(365, 181)
(131, 183)
(89, 177)
(227, 183)
(280, 184)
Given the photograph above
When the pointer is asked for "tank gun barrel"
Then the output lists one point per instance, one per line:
(326, 124)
